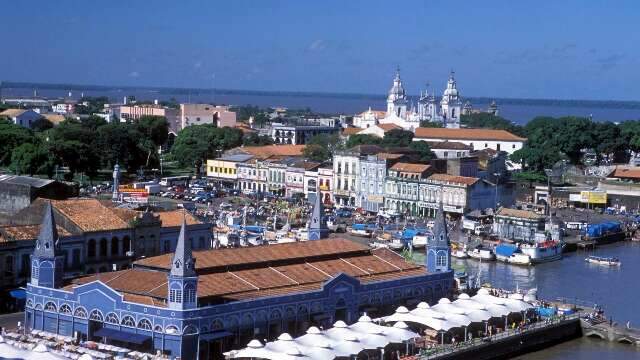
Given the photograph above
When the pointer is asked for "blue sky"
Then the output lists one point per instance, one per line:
(532, 49)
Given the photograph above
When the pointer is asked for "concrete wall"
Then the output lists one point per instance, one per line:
(14, 197)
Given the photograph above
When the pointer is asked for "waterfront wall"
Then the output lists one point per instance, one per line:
(526, 342)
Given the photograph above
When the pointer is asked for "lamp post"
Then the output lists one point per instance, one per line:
(497, 175)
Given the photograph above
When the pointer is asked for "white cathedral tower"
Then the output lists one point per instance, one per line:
(451, 104)
(397, 99)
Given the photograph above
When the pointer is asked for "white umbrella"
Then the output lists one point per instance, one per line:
(40, 352)
(340, 331)
(318, 342)
(400, 331)
(9, 351)
(351, 345)
(85, 357)
(322, 351)
(254, 349)
(284, 343)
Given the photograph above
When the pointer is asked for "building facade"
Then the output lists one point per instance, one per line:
(22, 117)
(373, 173)
(199, 114)
(299, 134)
(325, 183)
(224, 170)
(198, 305)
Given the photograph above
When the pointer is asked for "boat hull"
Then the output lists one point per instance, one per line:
(542, 254)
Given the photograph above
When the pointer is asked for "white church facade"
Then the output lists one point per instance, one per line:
(400, 113)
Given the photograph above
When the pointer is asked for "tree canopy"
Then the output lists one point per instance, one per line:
(195, 144)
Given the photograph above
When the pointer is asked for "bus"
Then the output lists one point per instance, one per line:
(175, 180)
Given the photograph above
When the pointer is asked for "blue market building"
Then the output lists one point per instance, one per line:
(196, 305)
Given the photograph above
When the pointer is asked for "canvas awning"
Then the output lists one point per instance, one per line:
(123, 336)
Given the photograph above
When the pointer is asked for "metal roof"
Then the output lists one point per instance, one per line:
(25, 180)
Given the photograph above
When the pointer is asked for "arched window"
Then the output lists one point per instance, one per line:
(112, 318)
(50, 307)
(145, 324)
(171, 329)
(189, 330)
(126, 244)
(114, 246)
(128, 321)
(91, 248)
(103, 247)
(158, 328)
(217, 325)
(189, 293)
(96, 315)
(80, 313)
(175, 293)
(29, 303)
(65, 309)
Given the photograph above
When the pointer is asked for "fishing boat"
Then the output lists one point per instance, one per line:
(607, 261)
(511, 253)
(481, 252)
(420, 240)
(364, 230)
(544, 251)
(462, 281)
(460, 252)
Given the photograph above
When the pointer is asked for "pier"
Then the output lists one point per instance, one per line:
(509, 343)
(610, 332)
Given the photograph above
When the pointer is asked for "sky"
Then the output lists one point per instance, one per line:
(519, 49)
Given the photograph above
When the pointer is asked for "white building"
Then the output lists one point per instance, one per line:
(199, 114)
(399, 111)
(325, 182)
(478, 139)
(22, 117)
(346, 170)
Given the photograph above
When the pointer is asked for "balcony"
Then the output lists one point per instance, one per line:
(324, 187)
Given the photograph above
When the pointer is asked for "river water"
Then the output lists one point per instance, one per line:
(516, 110)
(616, 289)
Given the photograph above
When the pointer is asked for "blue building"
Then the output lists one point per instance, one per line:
(196, 305)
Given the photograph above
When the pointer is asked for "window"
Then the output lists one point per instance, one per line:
(498, 146)
(103, 247)
(175, 294)
(114, 246)
(50, 307)
(91, 248)
(128, 321)
(75, 258)
(441, 260)
(65, 309)
(96, 315)
(80, 313)
(145, 324)
(35, 272)
(513, 146)
(189, 293)
(112, 319)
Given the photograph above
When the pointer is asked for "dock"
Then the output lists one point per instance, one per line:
(610, 332)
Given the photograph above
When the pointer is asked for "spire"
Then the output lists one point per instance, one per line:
(440, 225)
(48, 238)
(183, 264)
(317, 226)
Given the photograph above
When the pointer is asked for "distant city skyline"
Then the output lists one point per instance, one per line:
(501, 49)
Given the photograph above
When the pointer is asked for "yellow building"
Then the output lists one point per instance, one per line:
(224, 169)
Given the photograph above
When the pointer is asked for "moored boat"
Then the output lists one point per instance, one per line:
(482, 253)
(544, 251)
(460, 254)
(607, 261)
(511, 253)
(364, 230)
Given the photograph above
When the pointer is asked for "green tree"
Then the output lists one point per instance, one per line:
(41, 125)
(154, 131)
(489, 121)
(12, 136)
(119, 144)
(316, 153)
(253, 139)
(74, 145)
(362, 139)
(423, 149)
(197, 143)
(31, 159)
(397, 138)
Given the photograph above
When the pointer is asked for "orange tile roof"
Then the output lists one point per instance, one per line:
(273, 150)
(449, 145)
(466, 134)
(307, 269)
(89, 214)
(12, 112)
(222, 258)
(388, 127)
(389, 156)
(463, 180)
(351, 131)
(378, 113)
(54, 118)
(174, 218)
(524, 214)
(626, 172)
(409, 167)
(24, 232)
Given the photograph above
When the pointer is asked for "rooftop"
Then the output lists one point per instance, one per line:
(9, 233)
(350, 131)
(463, 180)
(626, 172)
(267, 151)
(523, 214)
(25, 180)
(388, 127)
(12, 112)
(249, 273)
(409, 167)
(449, 145)
(466, 134)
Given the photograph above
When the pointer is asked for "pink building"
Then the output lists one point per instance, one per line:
(199, 114)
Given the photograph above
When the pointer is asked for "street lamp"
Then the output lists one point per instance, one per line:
(497, 175)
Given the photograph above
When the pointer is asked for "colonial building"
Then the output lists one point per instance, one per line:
(459, 194)
(403, 185)
(253, 175)
(325, 183)
(450, 149)
(295, 175)
(478, 139)
(93, 237)
(346, 169)
(299, 134)
(224, 170)
(199, 114)
(373, 173)
(196, 305)
(403, 114)
(518, 225)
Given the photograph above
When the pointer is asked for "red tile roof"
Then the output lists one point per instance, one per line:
(350, 131)
(248, 273)
(409, 167)
(266, 151)
(463, 180)
(466, 134)
(388, 127)
(626, 172)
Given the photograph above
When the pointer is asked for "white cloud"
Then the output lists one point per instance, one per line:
(317, 45)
